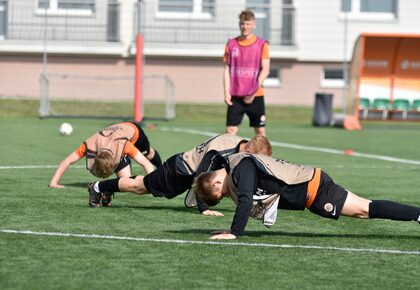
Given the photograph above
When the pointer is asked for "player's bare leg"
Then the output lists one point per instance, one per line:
(259, 131)
(356, 206)
(232, 130)
(134, 185)
(125, 172)
(154, 157)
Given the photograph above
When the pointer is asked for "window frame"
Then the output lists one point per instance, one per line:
(273, 81)
(355, 13)
(332, 83)
(197, 12)
(54, 10)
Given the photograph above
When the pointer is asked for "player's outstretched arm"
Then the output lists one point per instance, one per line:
(144, 162)
(62, 168)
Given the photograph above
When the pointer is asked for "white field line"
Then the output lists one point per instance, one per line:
(216, 243)
(36, 166)
(307, 148)
(416, 163)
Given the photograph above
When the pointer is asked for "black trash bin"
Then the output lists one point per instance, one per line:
(322, 110)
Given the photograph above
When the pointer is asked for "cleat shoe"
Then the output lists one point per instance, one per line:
(107, 198)
(94, 196)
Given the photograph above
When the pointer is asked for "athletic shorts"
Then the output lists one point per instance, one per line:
(165, 181)
(330, 198)
(125, 161)
(142, 143)
(255, 112)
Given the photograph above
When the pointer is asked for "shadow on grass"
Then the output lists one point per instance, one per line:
(281, 234)
(116, 206)
(76, 184)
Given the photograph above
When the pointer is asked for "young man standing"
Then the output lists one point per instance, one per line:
(247, 66)
(259, 185)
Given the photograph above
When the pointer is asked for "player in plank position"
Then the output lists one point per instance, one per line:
(177, 174)
(109, 150)
(259, 185)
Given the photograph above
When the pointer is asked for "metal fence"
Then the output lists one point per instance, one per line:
(275, 22)
(161, 22)
(27, 20)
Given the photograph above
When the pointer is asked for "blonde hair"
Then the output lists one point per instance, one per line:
(205, 190)
(259, 145)
(246, 15)
(103, 164)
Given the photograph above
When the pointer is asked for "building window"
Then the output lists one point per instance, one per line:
(261, 9)
(273, 79)
(288, 23)
(73, 7)
(375, 6)
(332, 78)
(186, 8)
(3, 20)
(373, 9)
(345, 5)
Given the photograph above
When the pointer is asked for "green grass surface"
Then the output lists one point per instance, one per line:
(65, 262)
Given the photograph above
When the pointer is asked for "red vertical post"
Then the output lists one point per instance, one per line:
(138, 90)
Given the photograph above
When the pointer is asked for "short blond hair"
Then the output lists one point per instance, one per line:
(204, 189)
(259, 145)
(103, 164)
(247, 15)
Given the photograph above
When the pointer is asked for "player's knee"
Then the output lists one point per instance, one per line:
(151, 154)
(363, 213)
(232, 130)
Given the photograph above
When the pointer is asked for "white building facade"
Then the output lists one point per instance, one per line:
(311, 42)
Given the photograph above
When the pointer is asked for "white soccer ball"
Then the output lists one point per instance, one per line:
(66, 129)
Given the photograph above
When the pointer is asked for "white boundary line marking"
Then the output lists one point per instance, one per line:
(304, 147)
(35, 166)
(254, 245)
(273, 143)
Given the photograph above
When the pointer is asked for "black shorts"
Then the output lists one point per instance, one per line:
(125, 161)
(330, 198)
(255, 112)
(165, 181)
(142, 143)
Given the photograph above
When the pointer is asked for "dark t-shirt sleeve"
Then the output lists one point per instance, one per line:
(245, 176)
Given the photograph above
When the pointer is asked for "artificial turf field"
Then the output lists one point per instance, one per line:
(51, 239)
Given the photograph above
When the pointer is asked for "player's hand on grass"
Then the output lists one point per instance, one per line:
(56, 185)
(220, 232)
(226, 235)
(212, 212)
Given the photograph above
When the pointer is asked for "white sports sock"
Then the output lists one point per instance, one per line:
(96, 186)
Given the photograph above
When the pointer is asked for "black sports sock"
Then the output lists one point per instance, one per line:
(156, 161)
(384, 209)
(110, 185)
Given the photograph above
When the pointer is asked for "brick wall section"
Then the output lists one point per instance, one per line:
(198, 81)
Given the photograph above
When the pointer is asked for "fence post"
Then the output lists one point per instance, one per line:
(138, 98)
